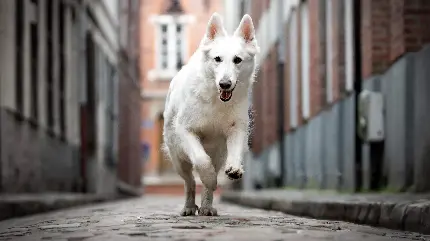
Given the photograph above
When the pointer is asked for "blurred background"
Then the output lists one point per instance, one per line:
(340, 102)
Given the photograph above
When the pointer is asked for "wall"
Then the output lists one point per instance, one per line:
(47, 151)
(30, 147)
(129, 90)
(319, 146)
(33, 161)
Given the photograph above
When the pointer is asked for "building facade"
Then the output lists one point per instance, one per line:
(60, 97)
(129, 163)
(310, 75)
(171, 31)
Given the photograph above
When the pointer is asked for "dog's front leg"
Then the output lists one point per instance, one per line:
(203, 165)
(236, 142)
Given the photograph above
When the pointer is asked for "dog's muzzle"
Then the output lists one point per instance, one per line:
(226, 92)
(225, 95)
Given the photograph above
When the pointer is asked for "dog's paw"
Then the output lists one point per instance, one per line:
(208, 211)
(187, 211)
(234, 173)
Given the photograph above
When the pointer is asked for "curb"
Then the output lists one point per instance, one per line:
(408, 215)
(19, 205)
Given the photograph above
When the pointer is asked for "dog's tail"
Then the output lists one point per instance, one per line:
(251, 123)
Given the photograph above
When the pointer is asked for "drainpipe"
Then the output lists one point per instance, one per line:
(357, 90)
(281, 109)
(281, 136)
(83, 91)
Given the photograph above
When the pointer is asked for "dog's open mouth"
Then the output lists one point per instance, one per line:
(226, 95)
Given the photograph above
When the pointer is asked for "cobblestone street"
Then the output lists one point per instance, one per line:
(156, 218)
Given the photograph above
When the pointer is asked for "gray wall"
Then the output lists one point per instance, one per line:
(32, 161)
(421, 119)
(320, 154)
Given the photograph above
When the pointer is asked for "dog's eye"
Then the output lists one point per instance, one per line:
(237, 60)
(218, 59)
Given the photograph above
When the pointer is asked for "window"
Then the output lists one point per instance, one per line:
(34, 71)
(90, 107)
(110, 98)
(164, 47)
(171, 45)
(293, 69)
(19, 45)
(34, 54)
(349, 44)
(49, 60)
(305, 58)
(62, 77)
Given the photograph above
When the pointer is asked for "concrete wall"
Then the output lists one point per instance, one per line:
(33, 161)
(319, 154)
(421, 120)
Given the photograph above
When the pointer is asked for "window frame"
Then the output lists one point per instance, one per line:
(172, 21)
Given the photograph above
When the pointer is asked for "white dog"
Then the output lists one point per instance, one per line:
(206, 111)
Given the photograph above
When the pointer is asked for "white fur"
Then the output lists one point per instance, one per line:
(200, 130)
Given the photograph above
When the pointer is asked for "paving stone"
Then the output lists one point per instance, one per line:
(157, 218)
(402, 211)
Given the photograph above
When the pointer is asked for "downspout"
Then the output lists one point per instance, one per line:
(281, 109)
(83, 91)
(357, 90)
(281, 136)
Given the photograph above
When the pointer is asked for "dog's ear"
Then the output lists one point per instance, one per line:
(215, 27)
(214, 30)
(246, 29)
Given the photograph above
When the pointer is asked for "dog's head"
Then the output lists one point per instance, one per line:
(229, 61)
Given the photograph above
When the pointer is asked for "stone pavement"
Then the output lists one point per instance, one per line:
(16, 205)
(402, 211)
(156, 218)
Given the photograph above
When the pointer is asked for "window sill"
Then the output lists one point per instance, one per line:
(161, 75)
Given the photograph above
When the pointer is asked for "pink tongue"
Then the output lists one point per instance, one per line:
(225, 94)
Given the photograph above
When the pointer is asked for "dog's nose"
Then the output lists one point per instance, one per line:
(225, 84)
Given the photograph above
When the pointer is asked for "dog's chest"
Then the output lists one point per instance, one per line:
(213, 121)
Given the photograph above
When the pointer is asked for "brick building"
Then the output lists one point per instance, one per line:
(62, 89)
(305, 123)
(171, 31)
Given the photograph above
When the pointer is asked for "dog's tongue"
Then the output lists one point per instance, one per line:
(225, 95)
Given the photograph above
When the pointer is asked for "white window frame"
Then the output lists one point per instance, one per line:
(329, 50)
(305, 58)
(171, 21)
(293, 30)
(349, 45)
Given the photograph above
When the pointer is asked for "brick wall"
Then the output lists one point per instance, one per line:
(338, 48)
(409, 26)
(375, 36)
(389, 29)
(317, 88)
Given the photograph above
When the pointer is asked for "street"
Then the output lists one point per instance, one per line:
(157, 218)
